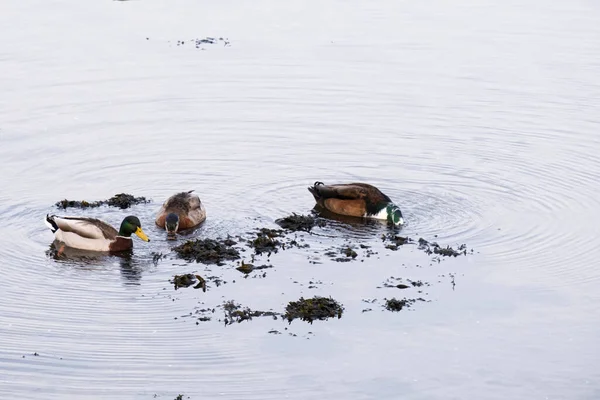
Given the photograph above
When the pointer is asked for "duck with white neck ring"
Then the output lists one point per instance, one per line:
(95, 235)
(357, 200)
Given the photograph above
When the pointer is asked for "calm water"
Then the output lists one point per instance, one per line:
(479, 117)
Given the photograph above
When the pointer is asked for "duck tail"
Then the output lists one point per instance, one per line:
(313, 190)
(50, 223)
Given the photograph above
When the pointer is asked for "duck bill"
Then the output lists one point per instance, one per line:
(171, 228)
(142, 235)
(171, 236)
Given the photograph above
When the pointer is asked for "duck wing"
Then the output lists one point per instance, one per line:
(340, 191)
(184, 202)
(90, 228)
(194, 201)
(348, 191)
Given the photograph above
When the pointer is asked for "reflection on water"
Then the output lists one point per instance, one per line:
(131, 271)
(468, 115)
(130, 267)
(347, 226)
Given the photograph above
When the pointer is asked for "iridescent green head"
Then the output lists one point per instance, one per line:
(132, 225)
(394, 215)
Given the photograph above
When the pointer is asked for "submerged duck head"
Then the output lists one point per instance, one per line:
(172, 223)
(394, 214)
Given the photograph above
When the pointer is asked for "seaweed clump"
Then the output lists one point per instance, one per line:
(188, 280)
(297, 222)
(392, 283)
(395, 305)
(347, 252)
(395, 241)
(316, 308)
(203, 314)
(208, 251)
(433, 247)
(64, 204)
(248, 268)
(121, 200)
(424, 245)
(450, 252)
(124, 200)
(266, 241)
(236, 313)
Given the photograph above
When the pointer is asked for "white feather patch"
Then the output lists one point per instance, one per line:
(73, 240)
(383, 214)
(380, 215)
(82, 227)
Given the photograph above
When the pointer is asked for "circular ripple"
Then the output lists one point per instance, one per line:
(506, 181)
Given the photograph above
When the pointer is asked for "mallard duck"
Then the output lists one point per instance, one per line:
(93, 234)
(356, 200)
(181, 211)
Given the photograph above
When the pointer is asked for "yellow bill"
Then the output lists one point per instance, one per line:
(141, 234)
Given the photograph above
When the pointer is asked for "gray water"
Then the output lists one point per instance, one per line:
(479, 118)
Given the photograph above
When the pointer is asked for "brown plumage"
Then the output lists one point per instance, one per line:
(120, 243)
(188, 208)
(353, 199)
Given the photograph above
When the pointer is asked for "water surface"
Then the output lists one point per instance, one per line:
(479, 118)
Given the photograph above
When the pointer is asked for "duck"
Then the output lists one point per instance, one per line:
(356, 200)
(181, 211)
(93, 234)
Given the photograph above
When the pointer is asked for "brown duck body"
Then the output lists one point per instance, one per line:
(352, 199)
(187, 206)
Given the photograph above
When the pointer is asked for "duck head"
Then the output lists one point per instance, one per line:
(394, 215)
(172, 223)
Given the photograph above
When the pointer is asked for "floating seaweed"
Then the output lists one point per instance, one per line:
(236, 313)
(433, 247)
(208, 251)
(121, 200)
(395, 305)
(297, 222)
(248, 268)
(316, 308)
(188, 280)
